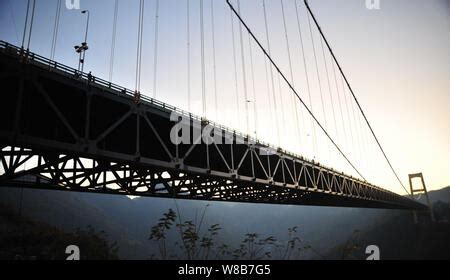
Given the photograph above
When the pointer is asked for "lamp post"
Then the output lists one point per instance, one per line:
(84, 46)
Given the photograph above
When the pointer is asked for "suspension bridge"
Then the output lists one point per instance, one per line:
(62, 128)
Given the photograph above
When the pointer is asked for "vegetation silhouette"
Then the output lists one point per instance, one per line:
(194, 242)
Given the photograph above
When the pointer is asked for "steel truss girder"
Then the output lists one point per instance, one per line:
(62, 124)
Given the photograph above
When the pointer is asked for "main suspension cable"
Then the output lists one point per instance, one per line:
(354, 97)
(292, 88)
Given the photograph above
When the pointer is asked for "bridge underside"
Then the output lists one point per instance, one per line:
(62, 131)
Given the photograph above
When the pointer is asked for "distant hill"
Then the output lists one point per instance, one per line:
(24, 239)
(398, 237)
(128, 222)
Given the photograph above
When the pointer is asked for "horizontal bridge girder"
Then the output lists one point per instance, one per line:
(63, 131)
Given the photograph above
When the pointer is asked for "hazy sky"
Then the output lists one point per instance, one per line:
(396, 59)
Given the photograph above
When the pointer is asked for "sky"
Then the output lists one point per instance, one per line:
(396, 59)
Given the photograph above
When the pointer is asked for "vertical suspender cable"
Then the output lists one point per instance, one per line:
(357, 130)
(31, 24)
(202, 50)
(294, 103)
(188, 45)
(26, 24)
(317, 72)
(339, 99)
(329, 88)
(244, 74)
(348, 114)
(283, 119)
(271, 72)
(292, 88)
(113, 40)
(266, 71)
(314, 140)
(255, 112)
(155, 54)
(330, 93)
(214, 59)
(55, 30)
(13, 19)
(139, 46)
(235, 68)
(354, 97)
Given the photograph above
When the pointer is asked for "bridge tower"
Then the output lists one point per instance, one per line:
(422, 190)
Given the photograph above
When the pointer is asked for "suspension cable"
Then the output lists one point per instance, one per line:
(350, 122)
(202, 50)
(55, 29)
(214, 59)
(31, 24)
(292, 88)
(294, 104)
(357, 132)
(318, 77)
(113, 40)
(329, 88)
(155, 54)
(235, 67)
(271, 70)
(339, 99)
(354, 97)
(255, 112)
(188, 45)
(13, 20)
(283, 119)
(244, 74)
(330, 93)
(307, 79)
(266, 71)
(139, 46)
(26, 24)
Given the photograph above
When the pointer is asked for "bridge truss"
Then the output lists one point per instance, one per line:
(61, 129)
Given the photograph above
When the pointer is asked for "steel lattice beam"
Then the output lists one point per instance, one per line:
(61, 130)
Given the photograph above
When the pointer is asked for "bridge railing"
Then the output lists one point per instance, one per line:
(51, 65)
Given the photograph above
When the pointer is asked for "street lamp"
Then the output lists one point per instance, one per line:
(84, 46)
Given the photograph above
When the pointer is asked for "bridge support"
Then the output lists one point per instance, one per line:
(422, 190)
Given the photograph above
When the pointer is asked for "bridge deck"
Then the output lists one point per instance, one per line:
(66, 131)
